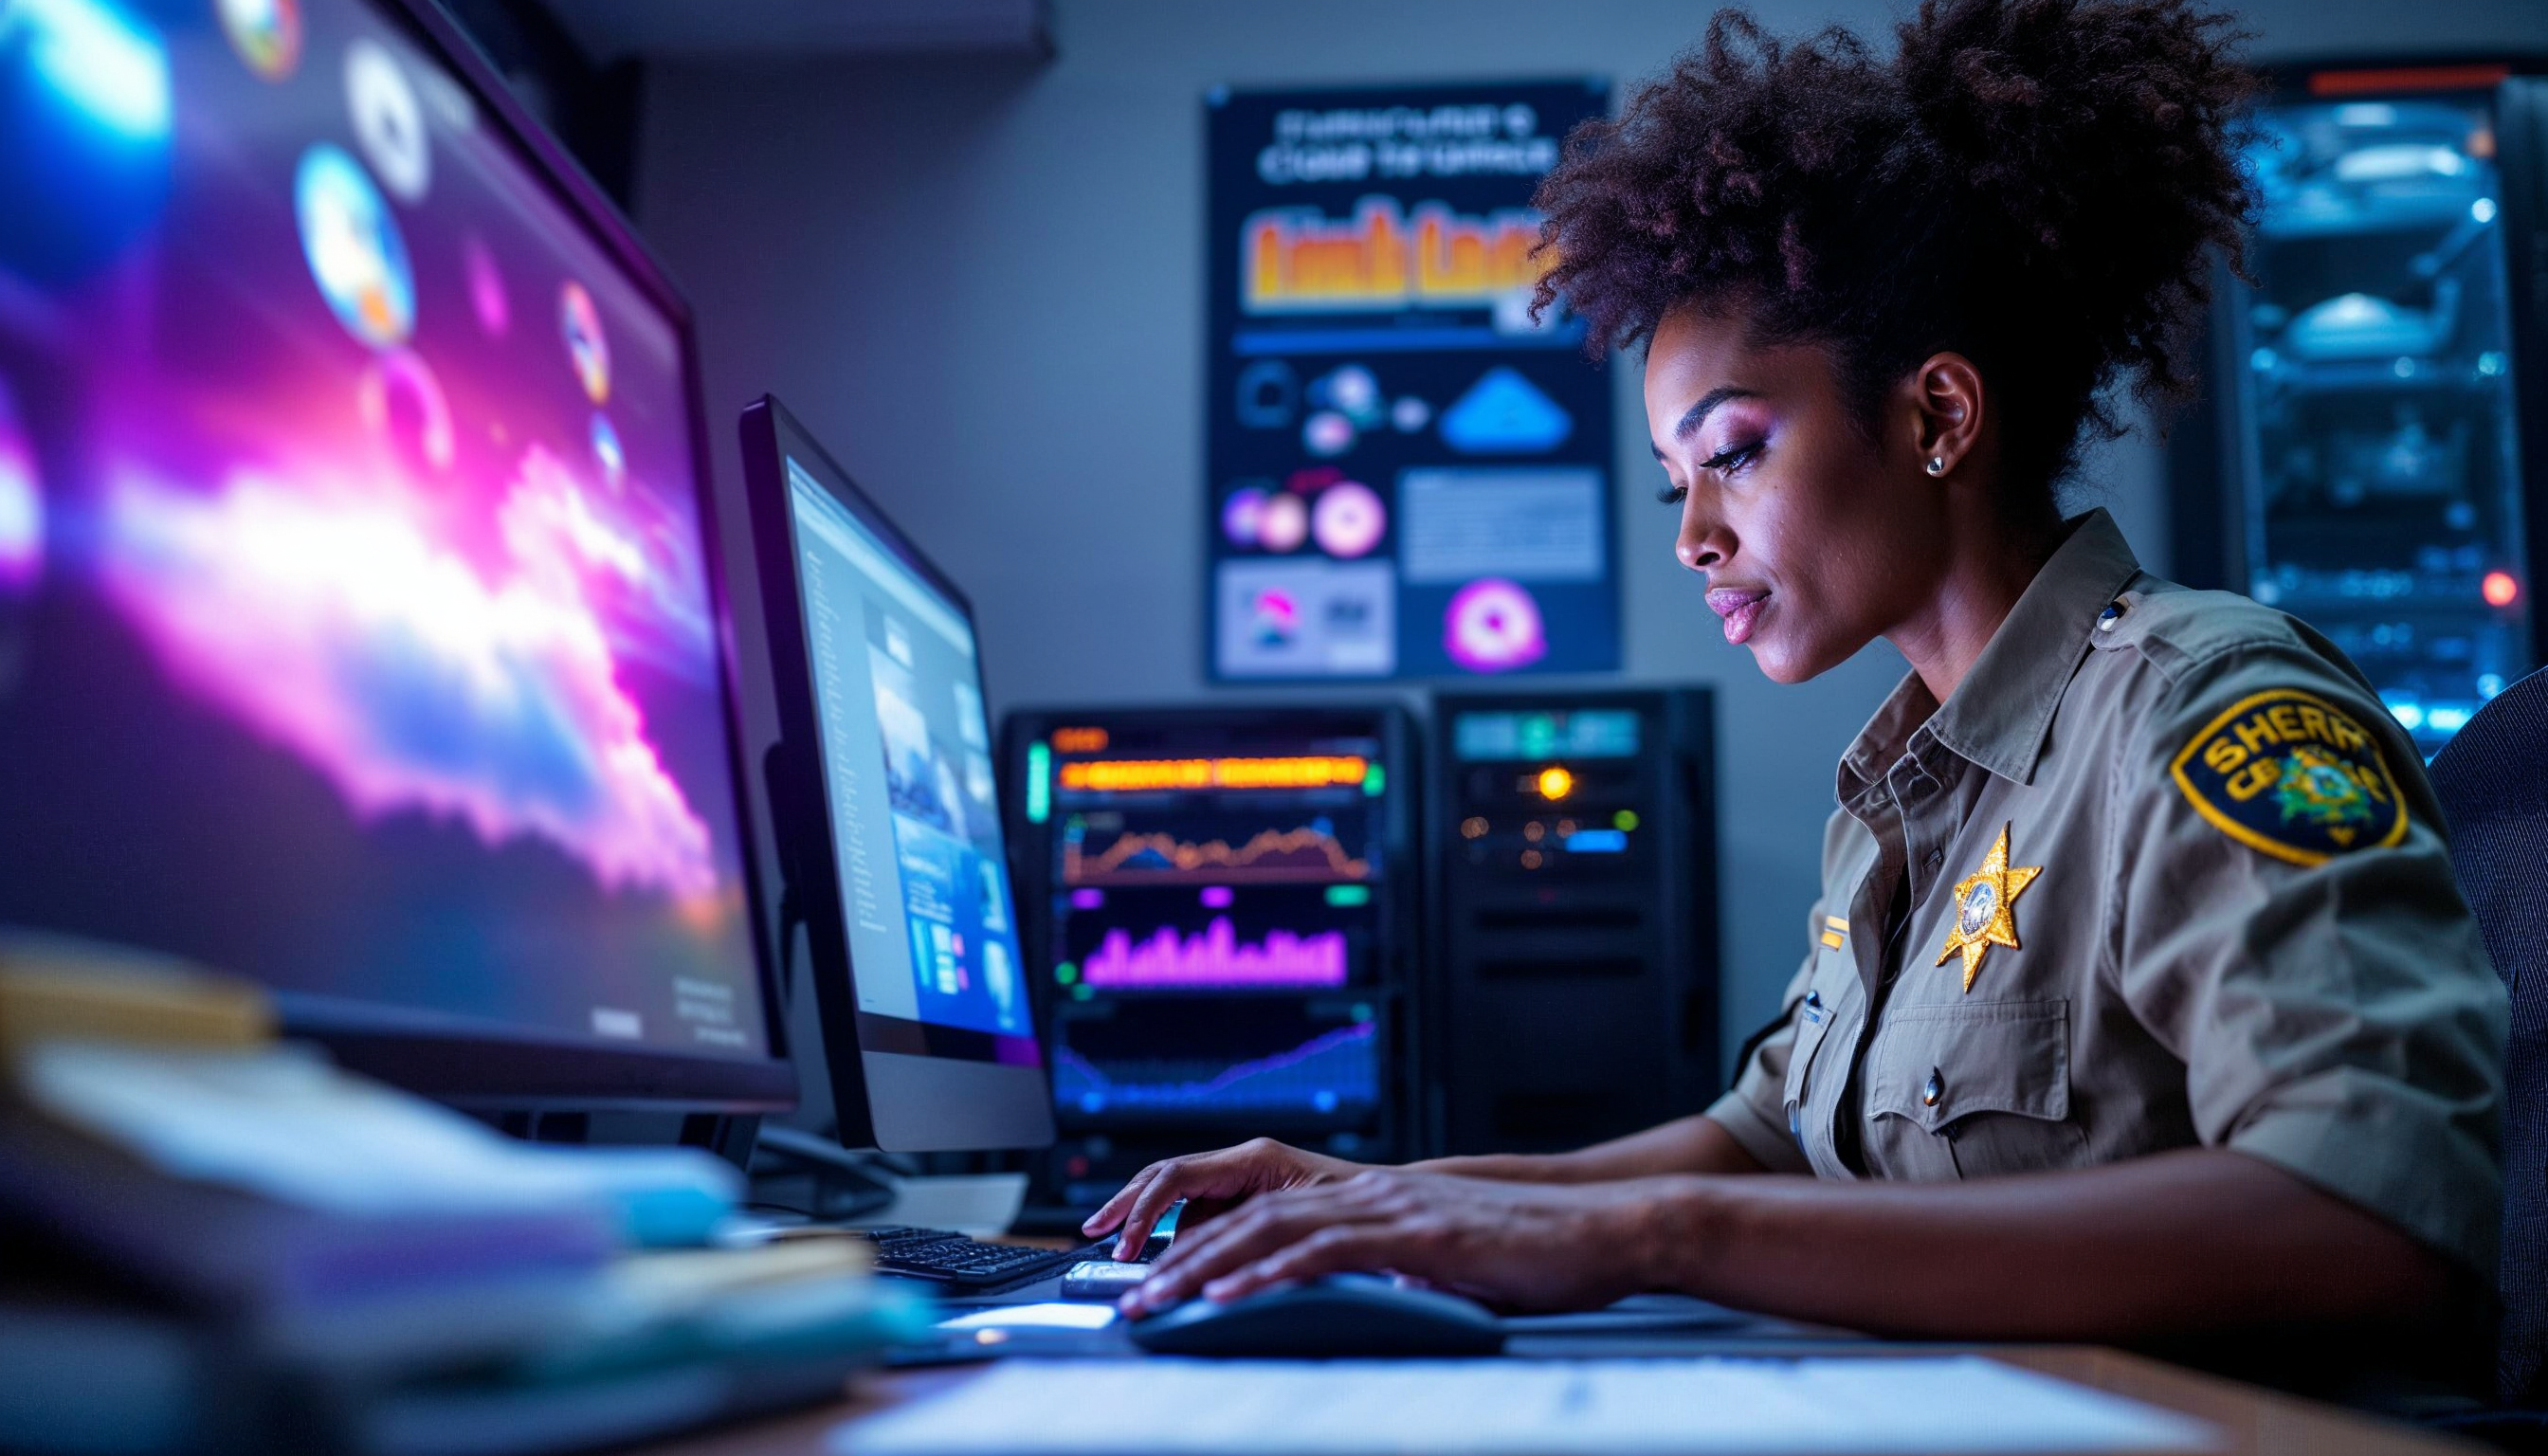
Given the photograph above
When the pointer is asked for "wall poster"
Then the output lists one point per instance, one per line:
(1407, 477)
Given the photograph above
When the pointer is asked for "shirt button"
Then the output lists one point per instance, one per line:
(2113, 613)
(1935, 1089)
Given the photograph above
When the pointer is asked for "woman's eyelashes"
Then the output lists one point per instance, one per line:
(1730, 461)
(1732, 458)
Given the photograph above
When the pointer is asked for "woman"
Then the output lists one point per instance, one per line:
(2139, 1002)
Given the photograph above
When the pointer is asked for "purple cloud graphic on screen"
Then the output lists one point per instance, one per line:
(420, 671)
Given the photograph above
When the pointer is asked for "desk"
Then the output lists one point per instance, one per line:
(2257, 1423)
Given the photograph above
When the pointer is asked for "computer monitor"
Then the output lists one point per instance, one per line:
(887, 810)
(1221, 924)
(359, 612)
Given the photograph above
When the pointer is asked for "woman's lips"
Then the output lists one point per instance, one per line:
(1741, 608)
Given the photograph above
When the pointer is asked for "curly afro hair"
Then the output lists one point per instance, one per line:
(2037, 183)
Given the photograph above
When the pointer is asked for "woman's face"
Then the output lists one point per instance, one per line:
(1814, 542)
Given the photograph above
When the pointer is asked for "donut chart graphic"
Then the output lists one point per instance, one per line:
(1493, 625)
(389, 121)
(1348, 520)
(353, 243)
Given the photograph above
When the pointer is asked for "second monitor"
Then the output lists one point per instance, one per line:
(1219, 916)
(886, 809)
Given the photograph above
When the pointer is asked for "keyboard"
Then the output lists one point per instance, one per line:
(961, 1265)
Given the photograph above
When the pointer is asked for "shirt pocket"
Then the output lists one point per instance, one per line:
(1834, 973)
(1971, 1090)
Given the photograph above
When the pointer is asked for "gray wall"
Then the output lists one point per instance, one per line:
(982, 283)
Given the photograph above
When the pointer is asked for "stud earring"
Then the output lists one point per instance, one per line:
(1936, 465)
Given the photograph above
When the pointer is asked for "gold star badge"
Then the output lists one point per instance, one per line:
(1985, 913)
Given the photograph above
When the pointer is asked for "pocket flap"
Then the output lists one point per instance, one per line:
(1933, 1064)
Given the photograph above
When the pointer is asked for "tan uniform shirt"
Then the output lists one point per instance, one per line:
(2162, 873)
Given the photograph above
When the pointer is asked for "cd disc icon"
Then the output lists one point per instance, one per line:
(265, 34)
(1494, 626)
(579, 323)
(389, 121)
(353, 247)
(1348, 519)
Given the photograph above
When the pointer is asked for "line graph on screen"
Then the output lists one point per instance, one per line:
(1310, 854)
(1334, 1071)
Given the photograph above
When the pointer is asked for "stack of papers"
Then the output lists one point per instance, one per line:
(1491, 1407)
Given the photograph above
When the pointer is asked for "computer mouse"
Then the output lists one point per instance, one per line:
(1344, 1314)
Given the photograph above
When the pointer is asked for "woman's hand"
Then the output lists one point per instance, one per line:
(1522, 1244)
(1207, 1179)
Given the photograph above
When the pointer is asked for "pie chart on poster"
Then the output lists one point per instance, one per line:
(1348, 520)
(1494, 626)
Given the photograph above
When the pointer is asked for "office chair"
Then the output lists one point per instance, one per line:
(2492, 779)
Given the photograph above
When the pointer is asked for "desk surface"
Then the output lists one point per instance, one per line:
(2255, 1420)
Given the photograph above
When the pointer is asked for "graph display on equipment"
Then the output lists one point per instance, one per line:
(1211, 920)
(1182, 1059)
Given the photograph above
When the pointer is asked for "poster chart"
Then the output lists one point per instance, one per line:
(1408, 476)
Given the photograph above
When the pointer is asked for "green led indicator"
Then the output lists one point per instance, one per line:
(1082, 992)
(1066, 973)
(1349, 894)
(1361, 1011)
(1038, 783)
(1375, 780)
(1624, 820)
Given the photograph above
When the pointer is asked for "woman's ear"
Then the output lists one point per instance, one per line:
(1947, 411)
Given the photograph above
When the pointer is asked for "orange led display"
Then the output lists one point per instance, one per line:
(1128, 775)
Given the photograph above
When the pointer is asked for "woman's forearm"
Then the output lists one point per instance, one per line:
(2203, 1239)
(1690, 1145)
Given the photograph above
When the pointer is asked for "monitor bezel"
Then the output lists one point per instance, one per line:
(888, 1098)
(533, 1071)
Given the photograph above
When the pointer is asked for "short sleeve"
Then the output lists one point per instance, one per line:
(1754, 1111)
(2289, 926)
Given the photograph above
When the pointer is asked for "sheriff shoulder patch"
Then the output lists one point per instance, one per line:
(2290, 774)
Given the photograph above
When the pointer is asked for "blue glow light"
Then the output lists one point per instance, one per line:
(1596, 841)
(106, 65)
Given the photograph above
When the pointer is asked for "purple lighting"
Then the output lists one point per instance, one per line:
(1216, 958)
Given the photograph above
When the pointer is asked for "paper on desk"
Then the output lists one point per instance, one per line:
(1489, 1408)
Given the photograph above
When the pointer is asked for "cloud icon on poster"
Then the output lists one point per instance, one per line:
(1504, 414)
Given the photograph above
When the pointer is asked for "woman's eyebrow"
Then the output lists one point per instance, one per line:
(1696, 415)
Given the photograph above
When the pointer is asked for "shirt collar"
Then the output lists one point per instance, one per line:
(2001, 713)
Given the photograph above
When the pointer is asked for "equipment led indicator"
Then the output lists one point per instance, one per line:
(1555, 782)
(1038, 783)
